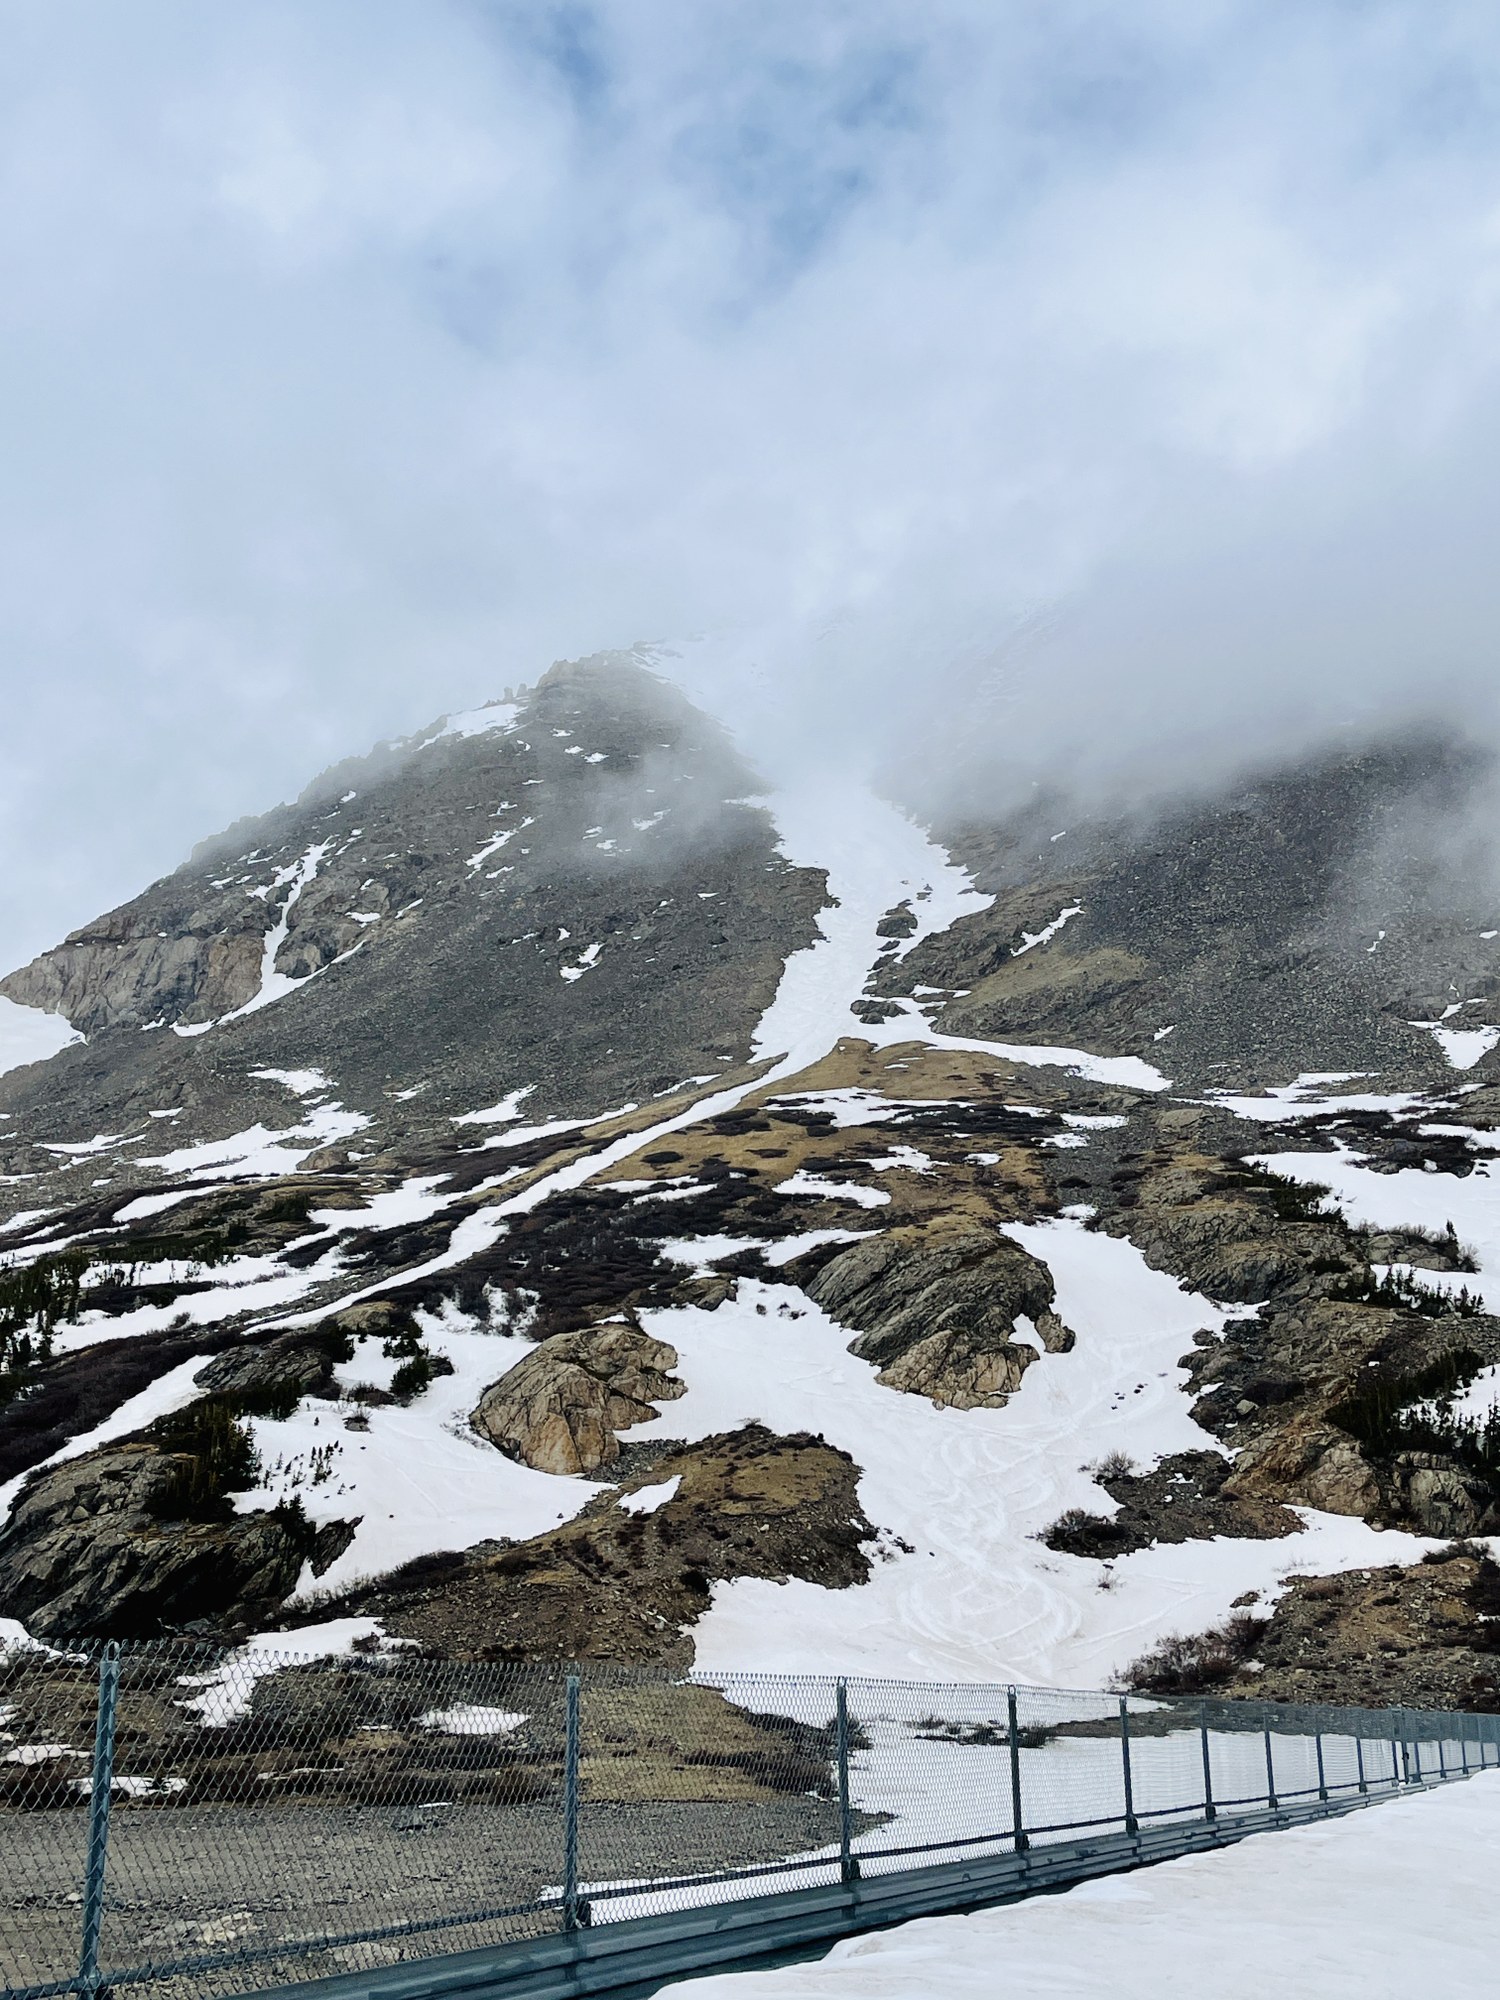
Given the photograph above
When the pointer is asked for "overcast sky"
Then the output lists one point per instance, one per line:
(360, 357)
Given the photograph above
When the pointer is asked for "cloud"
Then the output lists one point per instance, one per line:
(1125, 375)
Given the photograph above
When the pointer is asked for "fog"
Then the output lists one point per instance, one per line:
(1016, 394)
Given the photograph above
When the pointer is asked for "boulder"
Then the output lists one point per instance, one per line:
(1309, 1464)
(1439, 1500)
(87, 1551)
(968, 1369)
(938, 1307)
(559, 1408)
(274, 1375)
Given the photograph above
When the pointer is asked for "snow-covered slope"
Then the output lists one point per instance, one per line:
(1085, 1361)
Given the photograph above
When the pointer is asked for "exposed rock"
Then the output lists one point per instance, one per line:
(709, 1292)
(87, 1551)
(938, 1308)
(1225, 1229)
(561, 1405)
(617, 1585)
(120, 973)
(1310, 1464)
(1187, 1497)
(968, 1368)
(1425, 1249)
(275, 1375)
(1439, 1498)
(1424, 1637)
(378, 1317)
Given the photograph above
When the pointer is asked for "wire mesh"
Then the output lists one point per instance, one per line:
(260, 1817)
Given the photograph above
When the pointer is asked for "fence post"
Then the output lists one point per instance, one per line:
(1132, 1824)
(1322, 1774)
(1442, 1754)
(1463, 1745)
(1210, 1810)
(99, 1798)
(574, 1911)
(1019, 1838)
(1359, 1760)
(848, 1866)
(1416, 1757)
(1271, 1798)
(1404, 1777)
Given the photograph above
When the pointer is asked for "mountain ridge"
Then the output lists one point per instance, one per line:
(872, 1137)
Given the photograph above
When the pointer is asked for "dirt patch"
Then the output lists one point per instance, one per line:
(627, 1586)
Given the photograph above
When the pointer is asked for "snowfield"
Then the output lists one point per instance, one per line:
(1387, 1904)
(980, 1599)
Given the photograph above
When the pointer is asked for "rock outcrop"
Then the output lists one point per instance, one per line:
(91, 1547)
(938, 1308)
(1427, 1636)
(559, 1408)
(619, 1584)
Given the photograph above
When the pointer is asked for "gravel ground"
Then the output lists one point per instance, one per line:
(196, 1882)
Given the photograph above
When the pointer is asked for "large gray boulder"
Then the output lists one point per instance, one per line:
(559, 1408)
(938, 1308)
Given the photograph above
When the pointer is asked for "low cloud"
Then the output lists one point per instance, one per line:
(1121, 381)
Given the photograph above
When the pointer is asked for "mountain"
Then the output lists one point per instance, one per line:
(543, 1196)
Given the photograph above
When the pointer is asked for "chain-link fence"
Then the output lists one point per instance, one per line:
(192, 1821)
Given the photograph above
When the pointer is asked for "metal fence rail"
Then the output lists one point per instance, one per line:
(190, 1821)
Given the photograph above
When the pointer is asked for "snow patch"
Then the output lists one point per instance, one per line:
(472, 1718)
(585, 962)
(503, 1113)
(475, 722)
(300, 1082)
(803, 1182)
(646, 1499)
(1030, 940)
(1461, 1047)
(258, 1150)
(31, 1035)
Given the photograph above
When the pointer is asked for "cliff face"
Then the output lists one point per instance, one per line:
(509, 1193)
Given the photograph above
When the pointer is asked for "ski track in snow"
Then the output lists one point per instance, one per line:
(980, 1599)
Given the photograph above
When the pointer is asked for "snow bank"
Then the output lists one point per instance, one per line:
(1380, 1906)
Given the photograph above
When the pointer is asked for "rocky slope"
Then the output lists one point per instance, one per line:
(563, 900)
(530, 1199)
